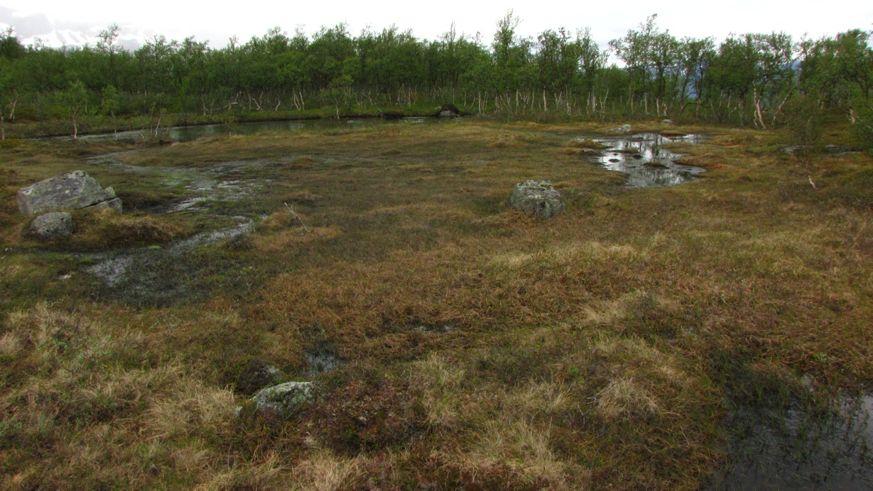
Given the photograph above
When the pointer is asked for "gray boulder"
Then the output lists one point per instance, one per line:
(52, 226)
(283, 400)
(536, 198)
(70, 191)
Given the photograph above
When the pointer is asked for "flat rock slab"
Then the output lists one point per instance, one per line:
(70, 191)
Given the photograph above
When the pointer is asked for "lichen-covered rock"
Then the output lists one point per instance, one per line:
(69, 191)
(52, 226)
(282, 401)
(255, 375)
(112, 204)
(536, 198)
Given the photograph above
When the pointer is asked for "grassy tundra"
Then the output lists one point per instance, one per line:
(611, 346)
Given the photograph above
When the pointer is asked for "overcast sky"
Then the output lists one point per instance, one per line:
(68, 22)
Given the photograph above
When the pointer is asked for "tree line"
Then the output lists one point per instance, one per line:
(748, 79)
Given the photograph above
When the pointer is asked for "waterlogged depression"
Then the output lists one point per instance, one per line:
(802, 449)
(645, 160)
(222, 192)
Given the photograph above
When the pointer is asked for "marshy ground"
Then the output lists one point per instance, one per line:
(642, 339)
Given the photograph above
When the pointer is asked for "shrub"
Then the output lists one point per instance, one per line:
(804, 118)
(863, 127)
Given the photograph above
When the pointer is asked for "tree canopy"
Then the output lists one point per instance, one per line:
(742, 79)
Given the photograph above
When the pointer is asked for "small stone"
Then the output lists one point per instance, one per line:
(282, 401)
(52, 226)
(536, 198)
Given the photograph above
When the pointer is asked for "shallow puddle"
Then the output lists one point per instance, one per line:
(645, 160)
(801, 450)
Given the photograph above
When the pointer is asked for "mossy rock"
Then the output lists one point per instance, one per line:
(282, 401)
(537, 198)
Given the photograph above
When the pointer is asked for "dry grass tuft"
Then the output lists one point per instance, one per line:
(190, 407)
(523, 448)
(10, 344)
(268, 473)
(572, 254)
(541, 398)
(507, 140)
(290, 238)
(107, 229)
(85, 374)
(324, 471)
(439, 382)
(283, 218)
(623, 398)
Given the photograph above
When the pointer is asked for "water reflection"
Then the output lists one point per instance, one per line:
(801, 449)
(193, 132)
(645, 160)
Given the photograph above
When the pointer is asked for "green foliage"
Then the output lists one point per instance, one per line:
(804, 120)
(110, 101)
(10, 47)
(746, 79)
(74, 100)
(841, 68)
(863, 127)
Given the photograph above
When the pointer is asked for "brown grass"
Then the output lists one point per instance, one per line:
(108, 229)
(477, 348)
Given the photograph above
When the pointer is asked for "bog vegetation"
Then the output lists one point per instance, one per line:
(748, 79)
(641, 339)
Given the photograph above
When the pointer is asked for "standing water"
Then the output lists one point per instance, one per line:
(801, 449)
(645, 160)
(193, 132)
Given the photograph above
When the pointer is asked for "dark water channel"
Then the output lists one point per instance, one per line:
(193, 132)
